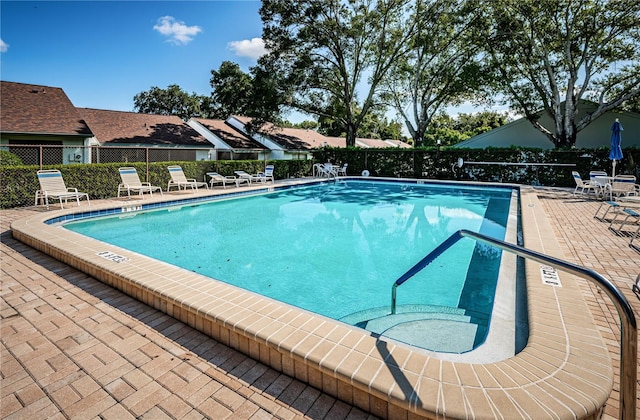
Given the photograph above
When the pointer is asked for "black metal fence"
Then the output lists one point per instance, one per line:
(43, 155)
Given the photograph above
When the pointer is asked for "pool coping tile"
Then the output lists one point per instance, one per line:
(562, 334)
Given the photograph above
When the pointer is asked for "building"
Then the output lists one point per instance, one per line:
(42, 116)
(167, 136)
(521, 133)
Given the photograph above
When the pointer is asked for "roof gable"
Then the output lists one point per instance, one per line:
(118, 127)
(292, 138)
(37, 109)
(232, 137)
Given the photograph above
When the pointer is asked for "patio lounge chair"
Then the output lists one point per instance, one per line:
(216, 179)
(178, 179)
(623, 185)
(52, 186)
(267, 174)
(131, 182)
(582, 184)
(248, 177)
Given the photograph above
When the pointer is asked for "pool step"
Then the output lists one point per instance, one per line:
(436, 328)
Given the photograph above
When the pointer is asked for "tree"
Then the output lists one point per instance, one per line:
(550, 54)
(441, 68)
(451, 130)
(232, 91)
(171, 101)
(323, 50)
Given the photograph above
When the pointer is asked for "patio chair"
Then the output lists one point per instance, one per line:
(178, 179)
(52, 186)
(599, 179)
(216, 179)
(267, 174)
(623, 185)
(342, 171)
(248, 177)
(582, 184)
(627, 213)
(131, 182)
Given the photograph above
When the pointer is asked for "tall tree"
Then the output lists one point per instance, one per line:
(329, 51)
(551, 54)
(171, 101)
(232, 91)
(442, 66)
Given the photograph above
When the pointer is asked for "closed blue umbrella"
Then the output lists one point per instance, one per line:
(615, 154)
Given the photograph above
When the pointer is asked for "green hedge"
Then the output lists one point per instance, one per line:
(433, 163)
(19, 183)
(100, 180)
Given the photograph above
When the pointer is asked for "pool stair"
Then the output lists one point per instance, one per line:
(432, 327)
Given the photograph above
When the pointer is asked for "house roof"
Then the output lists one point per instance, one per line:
(37, 109)
(293, 138)
(229, 135)
(118, 127)
(381, 144)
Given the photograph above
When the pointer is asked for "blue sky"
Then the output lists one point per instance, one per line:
(102, 53)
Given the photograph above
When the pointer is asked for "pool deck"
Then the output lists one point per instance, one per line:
(75, 347)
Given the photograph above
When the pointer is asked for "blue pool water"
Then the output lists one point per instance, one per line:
(334, 249)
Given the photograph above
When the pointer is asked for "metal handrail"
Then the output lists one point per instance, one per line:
(628, 326)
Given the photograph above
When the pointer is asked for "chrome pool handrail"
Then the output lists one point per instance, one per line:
(628, 326)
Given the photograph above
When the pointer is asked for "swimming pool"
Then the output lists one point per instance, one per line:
(565, 370)
(335, 249)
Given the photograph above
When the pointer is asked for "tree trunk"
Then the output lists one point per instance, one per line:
(351, 134)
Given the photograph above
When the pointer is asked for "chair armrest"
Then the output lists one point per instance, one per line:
(73, 190)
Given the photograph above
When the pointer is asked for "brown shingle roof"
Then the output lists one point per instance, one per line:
(296, 138)
(112, 127)
(229, 135)
(26, 108)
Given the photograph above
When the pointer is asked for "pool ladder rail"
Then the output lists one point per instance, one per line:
(628, 326)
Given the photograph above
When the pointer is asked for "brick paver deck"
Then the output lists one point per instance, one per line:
(73, 347)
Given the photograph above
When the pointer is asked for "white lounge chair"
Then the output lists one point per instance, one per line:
(52, 186)
(582, 184)
(623, 185)
(131, 182)
(248, 177)
(216, 179)
(178, 179)
(267, 174)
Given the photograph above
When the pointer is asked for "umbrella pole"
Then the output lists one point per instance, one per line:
(614, 169)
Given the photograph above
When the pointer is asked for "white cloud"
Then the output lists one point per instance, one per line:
(177, 31)
(3, 46)
(252, 48)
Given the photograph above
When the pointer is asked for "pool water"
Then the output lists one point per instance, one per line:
(334, 249)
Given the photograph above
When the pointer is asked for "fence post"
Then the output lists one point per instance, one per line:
(146, 159)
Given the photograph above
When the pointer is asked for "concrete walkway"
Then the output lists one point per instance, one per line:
(75, 348)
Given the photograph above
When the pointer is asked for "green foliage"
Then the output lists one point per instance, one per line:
(100, 180)
(172, 101)
(450, 130)
(9, 159)
(232, 91)
(551, 55)
(434, 163)
(323, 53)
(442, 66)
